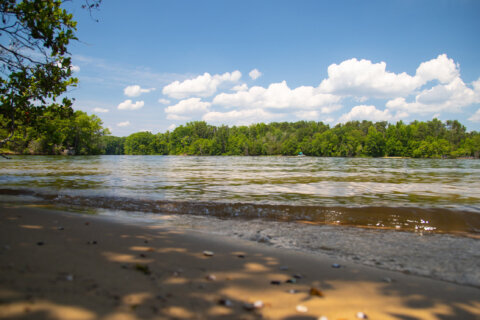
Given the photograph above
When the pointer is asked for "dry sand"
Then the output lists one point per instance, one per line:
(60, 265)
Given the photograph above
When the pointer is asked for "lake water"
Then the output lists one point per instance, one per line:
(422, 195)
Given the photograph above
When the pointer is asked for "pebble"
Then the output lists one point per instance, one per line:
(69, 277)
(60, 228)
(361, 315)
(92, 242)
(388, 280)
(336, 265)
(275, 282)
(292, 280)
(316, 292)
(283, 268)
(322, 318)
(301, 308)
(208, 253)
(211, 277)
(292, 291)
(241, 256)
(40, 243)
(225, 302)
(297, 276)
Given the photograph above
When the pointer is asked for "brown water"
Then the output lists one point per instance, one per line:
(407, 194)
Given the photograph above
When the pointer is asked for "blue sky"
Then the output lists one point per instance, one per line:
(153, 65)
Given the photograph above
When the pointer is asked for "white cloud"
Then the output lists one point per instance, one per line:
(163, 101)
(201, 86)
(129, 105)
(123, 124)
(442, 69)
(75, 68)
(241, 117)
(255, 74)
(449, 97)
(279, 96)
(186, 109)
(100, 110)
(364, 79)
(135, 91)
(240, 87)
(171, 127)
(364, 112)
(475, 117)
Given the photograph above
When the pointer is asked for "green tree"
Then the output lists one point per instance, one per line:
(35, 67)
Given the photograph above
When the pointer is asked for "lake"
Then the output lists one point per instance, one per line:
(419, 195)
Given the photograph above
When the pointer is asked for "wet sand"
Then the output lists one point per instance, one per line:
(60, 265)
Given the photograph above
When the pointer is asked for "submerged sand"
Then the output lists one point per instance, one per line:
(60, 265)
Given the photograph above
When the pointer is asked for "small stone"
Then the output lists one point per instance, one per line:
(283, 268)
(146, 241)
(301, 308)
(316, 292)
(208, 253)
(142, 255)
(322, 318)
(361, 315)
(292, 280)
(387, 280)
(297, 276)
(225, 302)
(258, 304)
(92, 242)
(87, 223)
(241, 256)
(69, 277)
(211, 277)
(60, 228)
(336, 265)
(292, 291)
(275, 282)
(40, 243)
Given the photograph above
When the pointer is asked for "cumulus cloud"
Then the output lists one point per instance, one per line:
(123, 124)
(442, 69)
(450, 97)
(279, 96)
(163, 101)
(100, 110)
(135, 91)
(255, 74)
(75, 68)
(364, 112)
(240, 87)
(475, 117)
(171, 127)
(241, 117)
(186, 109)
(362, 78)
(201, 86)
(129, 105)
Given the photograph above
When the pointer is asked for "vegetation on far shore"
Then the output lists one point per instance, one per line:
(82, 134)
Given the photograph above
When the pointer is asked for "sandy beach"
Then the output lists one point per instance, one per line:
(62, 265)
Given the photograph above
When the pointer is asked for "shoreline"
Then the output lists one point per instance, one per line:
(58, 264)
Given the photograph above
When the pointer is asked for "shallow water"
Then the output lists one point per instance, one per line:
(408, 194)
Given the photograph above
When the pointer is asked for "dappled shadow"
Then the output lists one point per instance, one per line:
(56, 265)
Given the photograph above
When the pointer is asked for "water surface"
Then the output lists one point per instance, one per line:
(409, 194)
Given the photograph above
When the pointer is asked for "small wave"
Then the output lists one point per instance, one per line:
(417, 219)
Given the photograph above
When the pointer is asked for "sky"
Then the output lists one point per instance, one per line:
(153, 65)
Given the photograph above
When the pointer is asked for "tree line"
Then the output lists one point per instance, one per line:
(83, 134)
(53, 133)
(431, 139)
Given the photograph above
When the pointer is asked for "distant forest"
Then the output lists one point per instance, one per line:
(83, 135)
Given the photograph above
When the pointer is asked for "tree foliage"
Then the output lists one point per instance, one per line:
(432, 139)
(35, 66)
